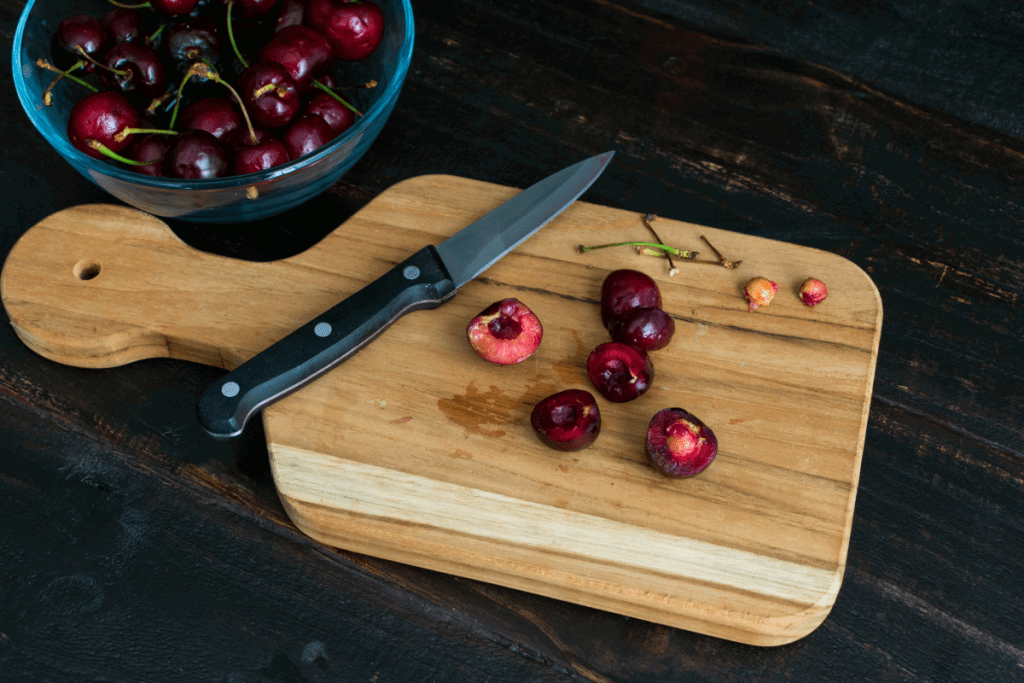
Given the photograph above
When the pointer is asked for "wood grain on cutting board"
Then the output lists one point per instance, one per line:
(419, 451)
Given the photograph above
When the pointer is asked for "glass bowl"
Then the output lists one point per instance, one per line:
(222, 200)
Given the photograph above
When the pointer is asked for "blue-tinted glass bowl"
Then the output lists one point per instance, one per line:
(224, 200)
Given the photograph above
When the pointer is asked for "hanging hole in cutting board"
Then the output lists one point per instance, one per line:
(86, 269)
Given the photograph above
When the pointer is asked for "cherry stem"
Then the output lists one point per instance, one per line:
(338, 97)
(672, 270)
(48, 93)
(125, 132)
(721, 259)
(278, 90)
(127, 73)
(150, 39)
(124, 6)
(231, 37)
(664, 248)
(106, 151)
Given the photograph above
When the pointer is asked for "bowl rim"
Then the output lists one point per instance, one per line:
(85, 162)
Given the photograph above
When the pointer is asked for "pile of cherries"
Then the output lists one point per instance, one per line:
(210, 88)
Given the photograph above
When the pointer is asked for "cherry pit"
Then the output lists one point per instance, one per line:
(210, 88)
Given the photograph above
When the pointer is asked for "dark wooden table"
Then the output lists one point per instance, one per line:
(134, 548)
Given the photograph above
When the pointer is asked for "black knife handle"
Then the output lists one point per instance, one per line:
(419, 282)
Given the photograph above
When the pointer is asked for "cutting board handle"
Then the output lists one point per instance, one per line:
(101, 285)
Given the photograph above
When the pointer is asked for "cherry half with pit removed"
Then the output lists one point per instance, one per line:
(568, 420)
(679, 444)
(620, 372)
(506, 332)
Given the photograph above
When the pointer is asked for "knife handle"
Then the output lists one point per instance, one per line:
(419, 282)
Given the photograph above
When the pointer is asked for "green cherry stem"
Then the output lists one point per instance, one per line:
(124, 6)
(663, 248)
(150, 39)
(48, 93)
(648, 219)
(231, 37)
(336, 96)
(106, 151)
(125, 132)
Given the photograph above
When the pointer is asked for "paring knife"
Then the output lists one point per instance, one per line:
(426, 279)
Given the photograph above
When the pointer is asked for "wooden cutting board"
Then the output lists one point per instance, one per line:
(419, 451)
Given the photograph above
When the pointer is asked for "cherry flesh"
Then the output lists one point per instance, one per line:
(506, 332)
(306, 134)
(134, 69)
(650, 329)
(274, 106)
(680, 445)
(620, 372)
(339, 117)
(196, 154)
(624, 290)
(74, 32)
(218, 116)
(568, 420)
(100, 117)
(354, 28)
(302, 51)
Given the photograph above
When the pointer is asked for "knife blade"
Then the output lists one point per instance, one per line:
(425, 280)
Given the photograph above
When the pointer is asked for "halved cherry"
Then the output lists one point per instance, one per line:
(506, 332)
(680, 445)
(619, 371)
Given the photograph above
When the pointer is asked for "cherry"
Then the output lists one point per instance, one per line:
(124, 25)
(196, 154)
(619, 371)
(290, 13)
(134, 68)
(194, 39)
(339, 117)
(624, 290)
(173, 8)
(149, 147)
(218, 116)
(302, 51)
(680, 445)
(100, 117)
(650, 329)
(568, 420)
(355, 28)
(253, 9)
(306, 134)
(74, 35)
(251, 157)
(269, 94)
(506, 332)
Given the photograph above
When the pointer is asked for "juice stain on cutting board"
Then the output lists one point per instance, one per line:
(491, 412)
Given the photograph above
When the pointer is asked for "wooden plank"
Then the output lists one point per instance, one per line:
(391, 453)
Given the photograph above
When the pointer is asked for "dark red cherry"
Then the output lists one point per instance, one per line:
(124, 25)
(218, 116)
(290, 13)
(253, 157)
(149, 147)
(74, 32)
(252, 9)
(173, 8)
(339, 117)
(302, 51)
(568, 420)
(135, 69)
(192, 39)
(100, 117)
(306, 134)
(269, 93)
(619, 371)
(624, 290)
(650, 329)
(355, 28)
(196, 154)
